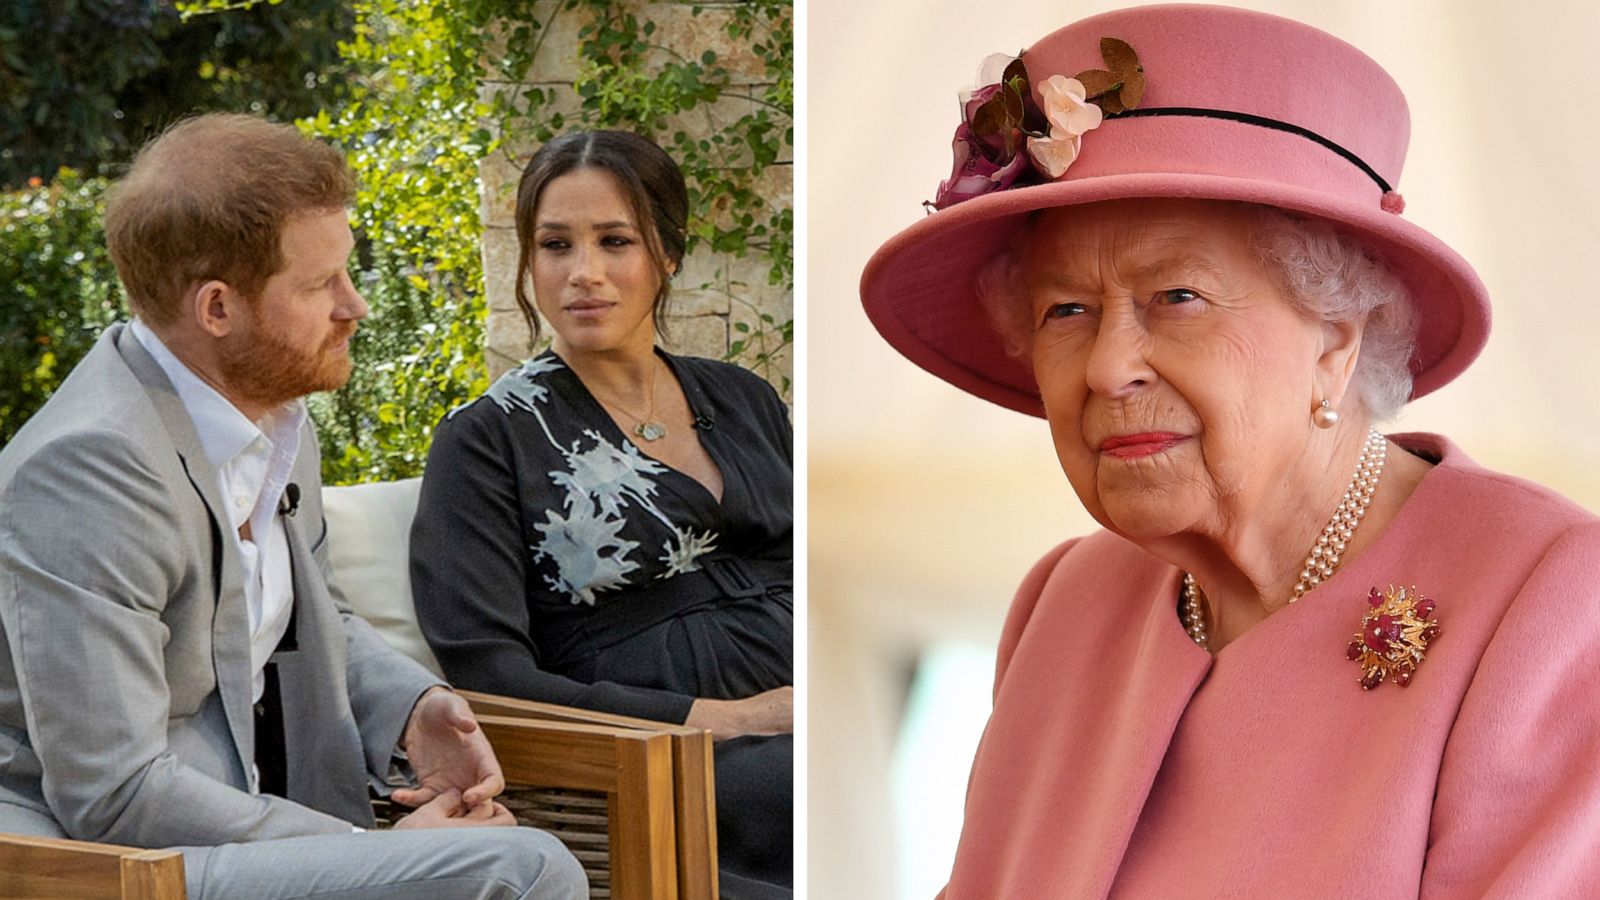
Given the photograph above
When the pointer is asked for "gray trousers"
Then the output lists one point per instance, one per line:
(428, 863)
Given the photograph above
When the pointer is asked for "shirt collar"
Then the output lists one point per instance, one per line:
(223, 430)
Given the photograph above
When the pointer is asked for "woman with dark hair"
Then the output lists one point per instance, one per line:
(610, 526)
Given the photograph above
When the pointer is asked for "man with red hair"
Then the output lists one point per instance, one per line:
(178, 668)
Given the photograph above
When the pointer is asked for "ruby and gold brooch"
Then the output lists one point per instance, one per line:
(1394, 636)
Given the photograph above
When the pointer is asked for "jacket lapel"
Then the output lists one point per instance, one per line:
(326, 768)
(230, 633)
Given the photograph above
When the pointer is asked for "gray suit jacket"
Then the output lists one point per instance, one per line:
(125, 711)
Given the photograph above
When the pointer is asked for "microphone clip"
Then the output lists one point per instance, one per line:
(289, 504)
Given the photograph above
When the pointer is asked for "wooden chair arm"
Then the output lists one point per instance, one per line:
(694, 779)
(497, 705)
(79, 870)
(632, 768)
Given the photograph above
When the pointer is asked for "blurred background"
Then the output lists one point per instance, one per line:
(927, 505)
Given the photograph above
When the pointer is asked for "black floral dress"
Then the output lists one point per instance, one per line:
(552, 559)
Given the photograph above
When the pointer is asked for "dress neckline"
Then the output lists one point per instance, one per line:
(579, 393)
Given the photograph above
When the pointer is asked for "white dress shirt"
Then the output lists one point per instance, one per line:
(253, 461)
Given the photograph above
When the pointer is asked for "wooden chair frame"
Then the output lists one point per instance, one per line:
(693, 780)
(635, 763)
(36, 868)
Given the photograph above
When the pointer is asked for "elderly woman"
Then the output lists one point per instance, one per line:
(1303, 659)
(610, 526)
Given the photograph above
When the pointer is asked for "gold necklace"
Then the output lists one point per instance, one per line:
(1325, 554)
(646, 426)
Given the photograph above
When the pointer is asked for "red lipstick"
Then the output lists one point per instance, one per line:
(1145, 443)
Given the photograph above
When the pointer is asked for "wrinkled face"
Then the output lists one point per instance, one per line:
(594, 280)
(296, 339)
(1177, 379)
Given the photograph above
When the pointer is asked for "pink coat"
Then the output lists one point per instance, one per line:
(1122, 760)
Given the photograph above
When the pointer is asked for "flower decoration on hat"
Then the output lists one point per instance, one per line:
(992, 130)
(1120, 85)
(1070, 115)
(1394, 636)
(1000, 119)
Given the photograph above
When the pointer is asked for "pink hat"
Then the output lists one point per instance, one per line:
(1219, 104)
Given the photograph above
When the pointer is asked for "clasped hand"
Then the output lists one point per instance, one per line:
(458, 776)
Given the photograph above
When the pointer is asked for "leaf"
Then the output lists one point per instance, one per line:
(1133, 91)
(1123, 86)
(1097, 82)
(990, 117)
(1015, 71)
(1119, 57)
(1012, 92)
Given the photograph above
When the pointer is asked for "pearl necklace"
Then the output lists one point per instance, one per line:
(1325, 554)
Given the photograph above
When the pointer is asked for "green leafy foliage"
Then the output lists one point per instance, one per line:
(58, 289)
(758, 344)
(413, 130)
(417, 356)
(83, 83)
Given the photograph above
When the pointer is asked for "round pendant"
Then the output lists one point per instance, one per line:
(650, 431)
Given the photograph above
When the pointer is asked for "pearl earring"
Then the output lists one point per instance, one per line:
(1325, 416)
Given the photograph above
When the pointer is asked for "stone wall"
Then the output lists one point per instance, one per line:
(715, 291)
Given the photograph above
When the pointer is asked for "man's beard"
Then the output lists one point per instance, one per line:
(270, 370)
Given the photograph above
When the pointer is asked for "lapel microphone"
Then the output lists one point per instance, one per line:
(290, 502)
(705, 421)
